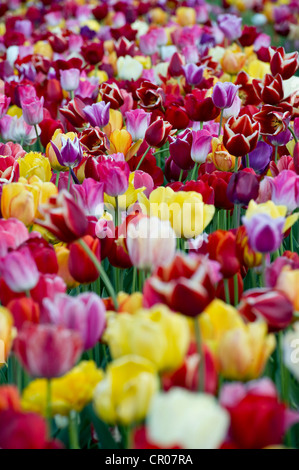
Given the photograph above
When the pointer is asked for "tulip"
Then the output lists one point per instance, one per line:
(265, 233)
(177, 116)
(150, 242)
(173, 172)
(70, 154)
(63, 217)
(241, 350)
(17, 130)
(157, 133)
(180, 150)
(84, 314)
(24, 310)
(81, 267)
(224, 94)
(193, 74)
(273, 119)
(194, 278)
(257, 404)
(4, 104)
(24, 431)
(89, 196)
(200, 107)
(74, 113)
(150, 96)
(240, 135)
(43, 254)
(47, 350)
(94, 141)
(93, 53)
(20, 201)
(284, 64)
(114, 174)
(69, 79)
(112, 402)
(274, 270)
(35, 163)
(33, 110)
(137, 122)
(233, 62)
(97, 114)
(246, 255)
(221, 158)
(218, 180)
(6, 334)
(273, 211)
(19, 270)
(129, 68)
(9, 398)
(173, 414)
(242, 187)
(285, 189)
(14, 232)
(286, 283)
(270, 89)
(143, 180)
(273, 306)
(230, 25)
(187, 213)
(111, 94)
(259, 158)
(290, 349)
(71, 392)
(222, 248)
(149, 333)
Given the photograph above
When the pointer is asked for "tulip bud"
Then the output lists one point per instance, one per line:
(81, 268)
(157, 133)
(24, 310)
(69, 79)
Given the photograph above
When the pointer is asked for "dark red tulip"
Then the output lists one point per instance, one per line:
(270, 89)
(180, 150)
(111, 94)
(93, 53)
(157, 133)
(284, 64)
(240, 135)
(199, 107)
(242, 187)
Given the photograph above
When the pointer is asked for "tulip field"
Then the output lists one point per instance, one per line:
(149, 232)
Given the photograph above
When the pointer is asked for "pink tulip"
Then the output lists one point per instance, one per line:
(115, 175)
(143, 179)
(285, 189)
(4, 104)
(84, 314)
(69, 79)
(19, 270)
(201, 145)
(33, 110)
(90, 196)
(47, 350)
(12, 234)
(137, 122)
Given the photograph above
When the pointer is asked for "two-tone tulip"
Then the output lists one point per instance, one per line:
(270, 89)
(240, 135)
(284, 64)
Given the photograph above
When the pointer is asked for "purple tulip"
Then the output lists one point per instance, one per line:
(242, 187)
(201, 145)
(70, 154)
(84, 314)
(259, 158)
(230, 25)
(90, 196)
(193, 74)
(264, 232)
(97, 114)
(285, 189)
(224, 94)
(280, 139)
(137, 122)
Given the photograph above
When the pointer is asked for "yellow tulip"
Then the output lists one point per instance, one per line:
(186, 16)
(35, 163)
(6, 334)
(120, 141)
(156, 334)
(63, 254)
(129, 303)
(258, 69)
(73, 391)
(241, 350)
(288, 283)
(185, 210)
(221, 158)
(271, 209)
(44, 49)
(115, 122)
(233, 62)
(158, 16)
(124, 395)
(19, 200)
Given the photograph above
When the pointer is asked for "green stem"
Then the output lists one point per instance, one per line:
(201, 125)
(134, 279)
(226, 291)
(236, 164)
(57, 178)
(142, 158)
(236, 290)
(72, 94)
(263, 270)
(293, 134)
(73, 430)
(220, 123)
(194, 172)
(37, 138)
(101, 271)
(69, 180)
(247, 161)
(276, 154)
(200, 350)
(181, 175)
(116, 211)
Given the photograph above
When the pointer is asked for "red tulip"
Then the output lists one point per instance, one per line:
(93, 53)
(150, 96)
(284, 64)
(81, 268)
(199, 107)
(24, 431)
(274, 119)
(177, 116)
(186, 277)
(47, 350)
(63, 217)
(270, 89)
(111, 94)
(157, 133)
(240, 135)
(9, 398)
(23, 310)
(222, 248)
(74, 113)
(43, 254)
